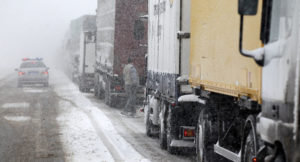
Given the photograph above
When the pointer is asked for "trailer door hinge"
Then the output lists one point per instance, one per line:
(182, 35)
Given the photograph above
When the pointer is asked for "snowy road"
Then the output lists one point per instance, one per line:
(61, 124)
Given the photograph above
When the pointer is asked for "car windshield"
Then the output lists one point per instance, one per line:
(32, 64)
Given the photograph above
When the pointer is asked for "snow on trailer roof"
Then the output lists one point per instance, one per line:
(191, 98)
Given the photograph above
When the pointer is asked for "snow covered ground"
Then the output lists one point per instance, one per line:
(87, 134)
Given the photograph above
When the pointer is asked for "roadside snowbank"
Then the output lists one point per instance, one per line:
(86, 125)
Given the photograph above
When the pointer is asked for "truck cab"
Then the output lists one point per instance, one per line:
(278, 122)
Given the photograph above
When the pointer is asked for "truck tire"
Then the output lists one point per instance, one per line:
(206, 137)
(101, 92)
(250, 144)
(149, 125)
(107, 97)
(280, 158)
(162, 129)
(81, 89)
(170, 132)
(96, 91)
(297, 154)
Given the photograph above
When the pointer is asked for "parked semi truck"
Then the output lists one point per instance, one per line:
(121, 34)
(246, 69)
(87, 60)
(173, 120)
(72, 44)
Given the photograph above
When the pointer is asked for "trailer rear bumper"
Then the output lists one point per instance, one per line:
(183, 144)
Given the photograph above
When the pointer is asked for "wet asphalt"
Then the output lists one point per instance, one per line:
(28, 128)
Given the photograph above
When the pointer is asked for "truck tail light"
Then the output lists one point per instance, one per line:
(173, 104)
(21, 73)
(118, 88)
(142, 109)
(188, 132)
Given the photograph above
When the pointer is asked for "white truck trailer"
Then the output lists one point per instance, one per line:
(87, 60)
(168, 68)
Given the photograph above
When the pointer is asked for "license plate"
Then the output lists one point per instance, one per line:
(33, 72)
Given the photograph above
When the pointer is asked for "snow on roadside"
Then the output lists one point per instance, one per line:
(77, 106)
(79, 138)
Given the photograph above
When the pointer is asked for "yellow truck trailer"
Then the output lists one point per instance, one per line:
(244, 70)
(216, 63)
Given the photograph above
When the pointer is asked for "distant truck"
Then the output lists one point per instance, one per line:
(87, 60)
(121, 33)
(167, 73)
(72, 44)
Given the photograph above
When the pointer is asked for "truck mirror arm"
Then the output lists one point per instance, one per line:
(258, 54)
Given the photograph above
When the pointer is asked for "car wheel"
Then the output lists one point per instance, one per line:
(19, 85)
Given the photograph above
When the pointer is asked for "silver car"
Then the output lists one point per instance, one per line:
(33, 71)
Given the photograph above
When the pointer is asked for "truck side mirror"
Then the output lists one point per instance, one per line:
(248, 7)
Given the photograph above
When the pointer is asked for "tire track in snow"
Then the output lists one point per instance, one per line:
(146, 146)
(117, 154)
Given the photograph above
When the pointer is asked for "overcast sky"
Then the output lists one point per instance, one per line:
(31, 28)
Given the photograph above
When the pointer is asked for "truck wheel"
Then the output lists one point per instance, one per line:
(249, 147)
(250, 144)
(96, 91)
(149, 125)
(107, 95)
(81, 89)
(101, 93)
(162, 129)
(280, 158)
(297, 154)
(205, 139)
(170, 135)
